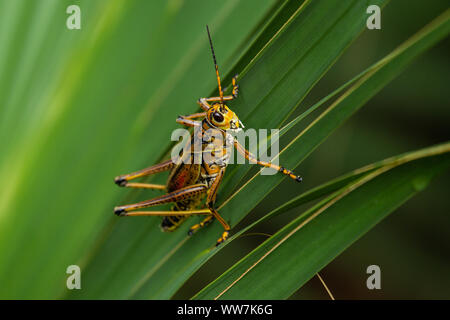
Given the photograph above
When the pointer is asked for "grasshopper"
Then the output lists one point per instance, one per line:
(189, 182)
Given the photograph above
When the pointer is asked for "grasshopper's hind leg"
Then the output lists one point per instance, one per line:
(174, 196)
(122, 180)
(172, 219)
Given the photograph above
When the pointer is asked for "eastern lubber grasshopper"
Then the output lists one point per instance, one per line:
(189, 183)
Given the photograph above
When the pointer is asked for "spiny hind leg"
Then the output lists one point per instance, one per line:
(174, 196)
(123, 180)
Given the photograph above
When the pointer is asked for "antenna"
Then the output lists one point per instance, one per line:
(215, 65)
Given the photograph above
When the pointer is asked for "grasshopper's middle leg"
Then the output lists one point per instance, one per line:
(189, 120)
(253, 159)
(210, 200)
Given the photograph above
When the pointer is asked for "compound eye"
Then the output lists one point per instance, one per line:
(218, 117)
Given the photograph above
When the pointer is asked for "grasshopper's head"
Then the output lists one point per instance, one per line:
(220, 116)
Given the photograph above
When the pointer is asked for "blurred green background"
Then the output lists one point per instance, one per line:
(76, 102)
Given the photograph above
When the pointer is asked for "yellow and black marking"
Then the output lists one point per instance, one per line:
(190, 183)
(171, 223)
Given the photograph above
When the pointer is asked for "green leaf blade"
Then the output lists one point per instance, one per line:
(305, 247)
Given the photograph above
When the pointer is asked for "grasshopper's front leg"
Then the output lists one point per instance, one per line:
(204, 102)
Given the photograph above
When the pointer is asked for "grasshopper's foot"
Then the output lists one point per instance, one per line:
(236, 91)
(222, 238)
(290, 174)
(120, 211)
(121, 182)
(235, 87)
